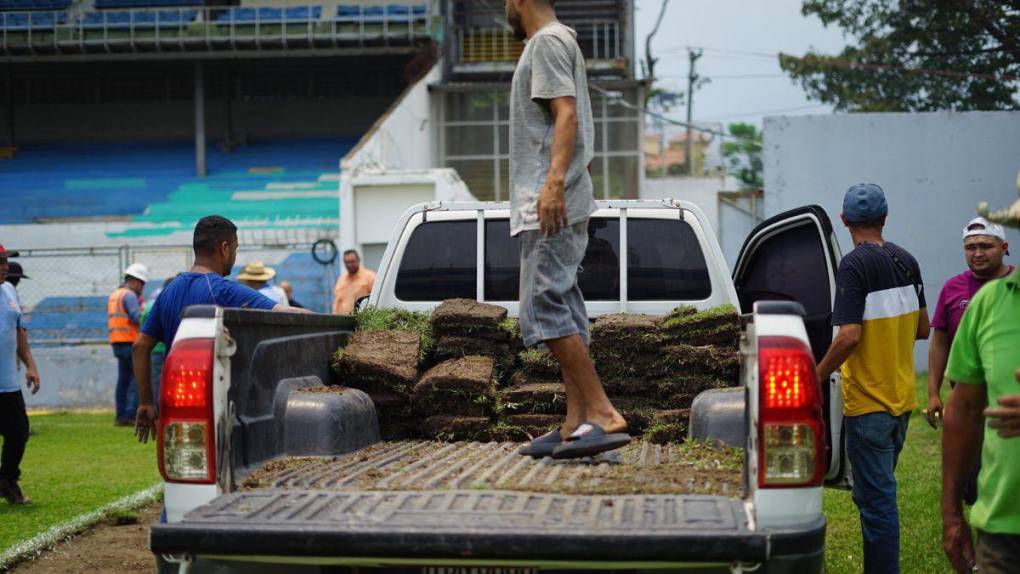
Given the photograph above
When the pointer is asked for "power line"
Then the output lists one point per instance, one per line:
(620, 101)
(767, 112)
(731, 76)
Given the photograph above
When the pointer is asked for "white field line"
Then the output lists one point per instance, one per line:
(58, 533)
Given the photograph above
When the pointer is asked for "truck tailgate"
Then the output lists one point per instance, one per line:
(466, 500)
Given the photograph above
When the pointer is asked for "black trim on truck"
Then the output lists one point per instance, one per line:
(780, 308)
(493, 525)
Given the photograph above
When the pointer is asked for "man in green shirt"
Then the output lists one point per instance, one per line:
(985, 360)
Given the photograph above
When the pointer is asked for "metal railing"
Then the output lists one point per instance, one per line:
(209, 28)
(599, 40)
(64, 298)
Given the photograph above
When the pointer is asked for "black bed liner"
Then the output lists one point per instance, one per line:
(469, 501)
(466, 524)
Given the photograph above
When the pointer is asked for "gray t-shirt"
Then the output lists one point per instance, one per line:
(551, 66)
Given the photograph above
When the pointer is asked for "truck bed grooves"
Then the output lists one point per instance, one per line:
(641, 468)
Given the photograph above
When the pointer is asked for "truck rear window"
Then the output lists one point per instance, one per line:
(599, 278)
(665, 262)
(439, 262)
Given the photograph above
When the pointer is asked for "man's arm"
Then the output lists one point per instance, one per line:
(938, 356)
(847, 339)
(961, 442)
(552, 201)
(145, 419)
(25, 354)
(134, 310)
(923, 325)
(1006, 417)
(289, 309)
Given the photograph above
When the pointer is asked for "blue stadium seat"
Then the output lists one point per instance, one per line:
(31, 20)
(137, 18)
(104, 4)
(29, 5)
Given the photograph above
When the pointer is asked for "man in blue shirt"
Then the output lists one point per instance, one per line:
(215, 245)
(13, 418)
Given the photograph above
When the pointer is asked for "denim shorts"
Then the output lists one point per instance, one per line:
(551, 303)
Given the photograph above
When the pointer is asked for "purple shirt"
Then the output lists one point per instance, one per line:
(953, 300)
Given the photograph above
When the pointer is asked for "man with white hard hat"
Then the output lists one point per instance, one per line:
(123, 319)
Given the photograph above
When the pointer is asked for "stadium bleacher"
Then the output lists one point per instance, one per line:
(101, 4)
(12, 5)
(95, 180)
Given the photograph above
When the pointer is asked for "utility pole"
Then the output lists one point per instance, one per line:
(692, 77)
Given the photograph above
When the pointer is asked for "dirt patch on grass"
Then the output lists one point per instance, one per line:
(104, 548)
(379, 361)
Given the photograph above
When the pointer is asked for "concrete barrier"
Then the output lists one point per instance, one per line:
(78, 377)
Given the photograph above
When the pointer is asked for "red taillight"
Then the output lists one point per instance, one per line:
(791, 431)
(187, 441)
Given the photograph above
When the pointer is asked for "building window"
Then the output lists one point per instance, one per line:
(475, 140)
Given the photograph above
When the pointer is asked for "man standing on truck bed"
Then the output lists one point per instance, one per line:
(551, 199)
(880, 311)
(215, 245)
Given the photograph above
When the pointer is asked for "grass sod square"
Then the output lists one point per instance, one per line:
(716, 326)
(464, 386)
(379, 361)
(467, 317)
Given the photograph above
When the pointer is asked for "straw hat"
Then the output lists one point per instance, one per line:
(256, 271)
(1010, 217)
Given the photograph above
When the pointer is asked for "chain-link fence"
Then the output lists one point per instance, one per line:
(65, 292)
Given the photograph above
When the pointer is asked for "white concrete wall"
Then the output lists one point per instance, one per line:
(703, 192)
(77, 377)
(934, 168)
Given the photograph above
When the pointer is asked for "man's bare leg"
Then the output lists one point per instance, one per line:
(575, 405)
(577, 367)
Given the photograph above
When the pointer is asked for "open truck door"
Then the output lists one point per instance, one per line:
(793, 257)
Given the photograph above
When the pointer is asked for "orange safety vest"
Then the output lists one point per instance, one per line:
(122, 330)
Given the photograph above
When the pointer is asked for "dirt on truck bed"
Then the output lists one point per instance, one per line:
(641, 468)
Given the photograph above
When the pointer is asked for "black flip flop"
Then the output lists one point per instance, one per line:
(588, 440)
(542, 446)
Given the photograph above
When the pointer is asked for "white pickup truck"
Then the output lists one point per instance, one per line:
(230, 405)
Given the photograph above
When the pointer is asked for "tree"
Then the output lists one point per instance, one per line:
(743, 155)
(915, 55)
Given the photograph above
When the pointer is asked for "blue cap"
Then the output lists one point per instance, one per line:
(864, 202)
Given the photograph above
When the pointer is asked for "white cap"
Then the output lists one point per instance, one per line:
(139, 271)
(981, 226)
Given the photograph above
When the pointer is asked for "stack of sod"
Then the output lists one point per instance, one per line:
(536, 399)
(652, 366)
(464, 327)
(625, 346)
(397, 420)
(716, 326)
(461, 387)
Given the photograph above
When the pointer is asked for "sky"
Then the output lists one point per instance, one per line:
(740, 39)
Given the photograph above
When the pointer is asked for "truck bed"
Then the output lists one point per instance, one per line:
(481, 501)
(641, 468)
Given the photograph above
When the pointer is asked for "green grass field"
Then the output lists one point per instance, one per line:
(919, 478)
(75, 463)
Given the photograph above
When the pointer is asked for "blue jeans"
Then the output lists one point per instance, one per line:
(157, 374)
(873, 443)
(126, 395)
